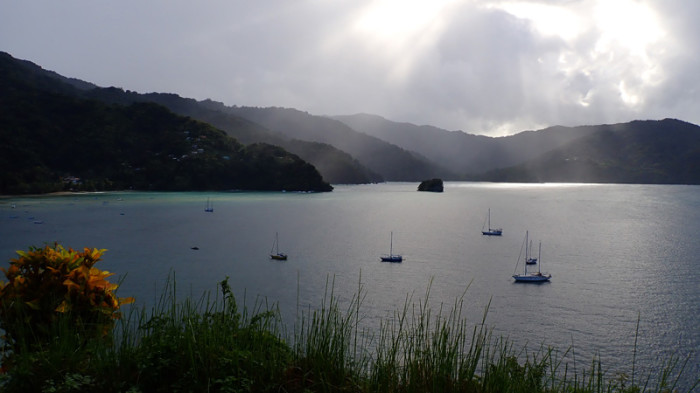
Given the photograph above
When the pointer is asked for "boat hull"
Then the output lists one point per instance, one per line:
(531, 277)
(492, 233)
(279, 257)
(392, 258)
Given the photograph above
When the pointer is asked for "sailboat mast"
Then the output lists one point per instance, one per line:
(539, 258)
(527, 248)
(526, 252)
(275, 245)
(391, 244)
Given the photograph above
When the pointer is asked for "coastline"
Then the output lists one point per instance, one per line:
(55, 193)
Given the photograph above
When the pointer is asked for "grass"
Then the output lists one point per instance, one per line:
(213, 345)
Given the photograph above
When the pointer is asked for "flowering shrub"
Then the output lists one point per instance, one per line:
(45, 284)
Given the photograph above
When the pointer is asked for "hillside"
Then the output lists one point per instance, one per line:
(455, 150)
(460, 152)
(50, 141)
(666, 151)
(650, 152)
(335, 166)
(390, 161)
(367, 148)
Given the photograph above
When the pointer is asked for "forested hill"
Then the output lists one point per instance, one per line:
(464, 153)
(646, 152)
(391, 161)
(335, 165)
(51, 141)
(643, 151)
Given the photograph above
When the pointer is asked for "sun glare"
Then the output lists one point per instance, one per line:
(398, 32)
(627, 23)
(547, 19)
(397, 19)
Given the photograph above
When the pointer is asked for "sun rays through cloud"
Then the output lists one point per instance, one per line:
(399, 32)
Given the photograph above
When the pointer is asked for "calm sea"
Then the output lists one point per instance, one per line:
(617, 254)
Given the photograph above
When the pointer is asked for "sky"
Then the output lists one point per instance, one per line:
(486, 67)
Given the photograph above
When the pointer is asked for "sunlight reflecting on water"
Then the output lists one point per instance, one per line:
(489, 185)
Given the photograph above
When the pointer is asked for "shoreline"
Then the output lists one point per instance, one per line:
(55, 193)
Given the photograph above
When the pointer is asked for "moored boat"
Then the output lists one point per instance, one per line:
(490, 231)
(275, 250)
(391, 257)
(534, 277)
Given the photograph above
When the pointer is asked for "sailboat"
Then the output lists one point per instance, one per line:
(490, 231)
(391, 257)
(275, 250)
(531, 277)
(209, 208)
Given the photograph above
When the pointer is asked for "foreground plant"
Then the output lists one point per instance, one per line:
(206, 346)
(51, 284)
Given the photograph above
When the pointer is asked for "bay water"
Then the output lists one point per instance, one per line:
(624, 259)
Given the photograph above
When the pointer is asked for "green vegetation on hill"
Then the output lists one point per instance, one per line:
(390, 161)
(655, 152)
(659, 152)
(334, 165)
(50, 141)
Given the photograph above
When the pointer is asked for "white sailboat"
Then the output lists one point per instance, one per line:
(528, 276)
(209, 208)
(490, 231)
(275, 250)
(391, 257)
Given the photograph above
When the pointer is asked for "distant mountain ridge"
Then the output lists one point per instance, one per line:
(391, 161)
(465, 153)
(341, 154)
(335, 165)
(52, 139)
(650, 151)
(368, 148)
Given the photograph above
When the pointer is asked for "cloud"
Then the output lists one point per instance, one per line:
(489, 66)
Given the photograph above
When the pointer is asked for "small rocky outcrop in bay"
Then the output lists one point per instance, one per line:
(432, 185)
